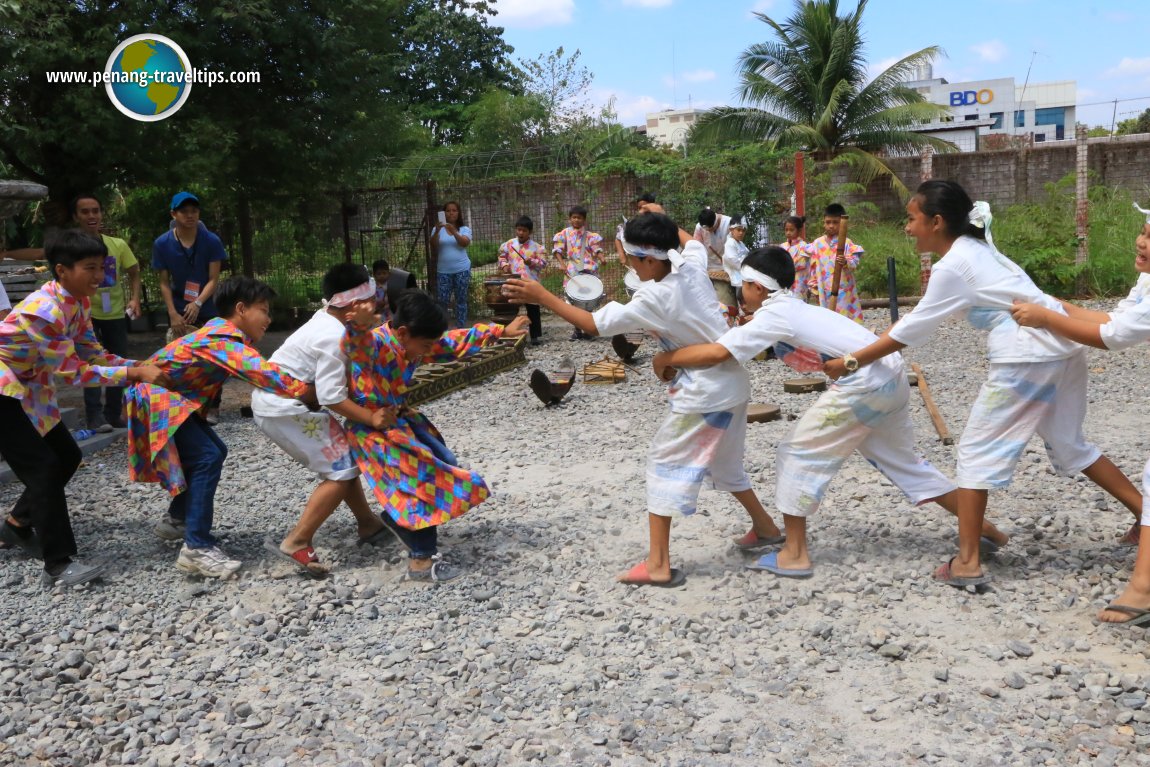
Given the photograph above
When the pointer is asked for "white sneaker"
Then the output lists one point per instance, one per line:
(211, 562)
(170, 529)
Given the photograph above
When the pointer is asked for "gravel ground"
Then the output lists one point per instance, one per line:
(538, 657)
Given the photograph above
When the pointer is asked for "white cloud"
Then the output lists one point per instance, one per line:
(991, 50)
(761, 6)
(532, 14)
(648, 3)
(1129, 67)
(631, 108)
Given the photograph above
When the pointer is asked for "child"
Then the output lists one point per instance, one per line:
(1122, 328)
(703, 432)
(49, 336)
(381, 273)
(795, 245)
(577, 250)
(413, 474)
(1037, 381)
(733, 254)
(525, 258)
(866, 411)
(643, 199)
(823, 257)
(712, 231)
(316, 439)
(174, 445)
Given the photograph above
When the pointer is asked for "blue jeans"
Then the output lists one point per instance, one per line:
(202, 456)
(453, 288)
(113, 336)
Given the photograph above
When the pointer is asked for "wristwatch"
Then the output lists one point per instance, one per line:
(850, 363)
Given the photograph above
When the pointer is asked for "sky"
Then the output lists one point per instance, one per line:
(657, 54)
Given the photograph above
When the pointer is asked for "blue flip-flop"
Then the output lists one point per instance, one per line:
(770, 563)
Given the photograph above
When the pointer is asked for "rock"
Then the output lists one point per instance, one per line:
(1021, 649)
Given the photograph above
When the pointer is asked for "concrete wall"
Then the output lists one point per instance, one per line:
(1019, 175)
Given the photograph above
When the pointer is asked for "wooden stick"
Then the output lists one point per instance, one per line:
(841, 250)
(935, 415)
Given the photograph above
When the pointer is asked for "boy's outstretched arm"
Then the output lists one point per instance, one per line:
(885, 345)
(1084, 331)
(693, 356)
(530, 292)
(1082, 313)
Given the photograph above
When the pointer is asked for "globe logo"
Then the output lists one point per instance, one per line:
(148, 77)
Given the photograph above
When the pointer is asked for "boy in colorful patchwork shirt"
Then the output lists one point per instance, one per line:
(413, 474)
(523, 257)
(823, 255)
(48, 336)
(702, 435)
(170, 442)
(866, 411)
(315, 438)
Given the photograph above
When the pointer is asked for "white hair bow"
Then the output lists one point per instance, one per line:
(981, 218)
(1143, 211)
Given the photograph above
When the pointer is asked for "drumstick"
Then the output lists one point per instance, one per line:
(935, 414)
(839, 251)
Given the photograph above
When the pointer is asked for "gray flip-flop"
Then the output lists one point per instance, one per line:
(1138, 616)
(770, 564)
(378, 538)
(762, 543)
(987, 547)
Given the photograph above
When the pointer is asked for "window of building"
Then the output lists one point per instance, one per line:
(653, 123)
(1050, 116)
(1039, 137)
(1019, 118)
(674, 118)
(1060, 132)
(997, 117)
(970, 117)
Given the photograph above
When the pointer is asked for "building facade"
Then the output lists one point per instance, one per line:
(1039, 111)
(670, 127)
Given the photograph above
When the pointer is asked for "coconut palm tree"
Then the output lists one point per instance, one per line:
(808, 89)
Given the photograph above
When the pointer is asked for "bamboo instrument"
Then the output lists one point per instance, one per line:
(838, 275)
(928, 400)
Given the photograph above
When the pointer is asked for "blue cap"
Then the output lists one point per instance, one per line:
(182, 197)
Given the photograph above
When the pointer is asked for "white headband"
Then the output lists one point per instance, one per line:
(739, 223)
(1143, 211)
(645, 251)
(349, 297)
(750, 274)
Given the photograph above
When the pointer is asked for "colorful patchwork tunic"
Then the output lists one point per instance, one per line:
(198, 364)
(822, 255)
(402, 464)
(48, 336)
(798, 252)
(579, 250)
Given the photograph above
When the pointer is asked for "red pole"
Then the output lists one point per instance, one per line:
(800, 189)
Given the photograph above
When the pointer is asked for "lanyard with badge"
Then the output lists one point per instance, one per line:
(191, 287)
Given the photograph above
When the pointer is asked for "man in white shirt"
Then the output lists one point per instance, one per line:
(866, 410)
(712, 231)
(316, 439)
(703, 434)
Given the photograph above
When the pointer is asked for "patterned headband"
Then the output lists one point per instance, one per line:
(349, 297)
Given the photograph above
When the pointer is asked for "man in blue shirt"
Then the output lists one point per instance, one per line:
(189, 258)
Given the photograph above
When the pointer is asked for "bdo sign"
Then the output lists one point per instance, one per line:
(966, 98)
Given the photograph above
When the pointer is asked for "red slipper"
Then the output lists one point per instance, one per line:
(944, 574)
(752, 541)
(638, 576)
(305, 559)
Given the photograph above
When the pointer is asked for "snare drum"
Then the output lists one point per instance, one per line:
(631, 282)
(584, 291)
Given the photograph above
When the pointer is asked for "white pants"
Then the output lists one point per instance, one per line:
(1017, 401)
(688, 448)
(316, 440)
(877, 424)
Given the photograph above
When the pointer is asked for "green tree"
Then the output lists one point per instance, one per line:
(561, 85)
(1139, 124)
(808, 89)
(504, 120)
(450, 57)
